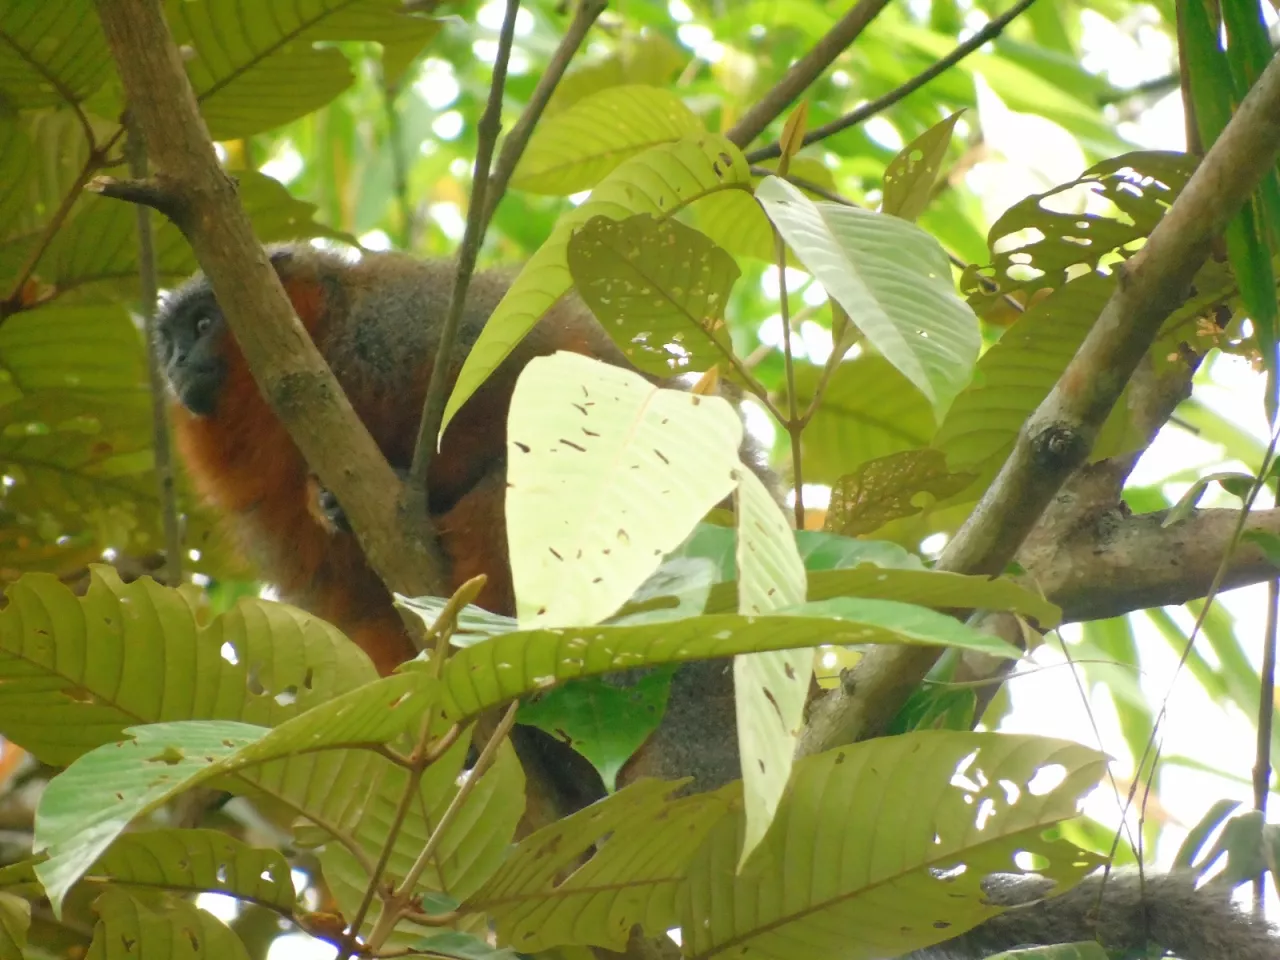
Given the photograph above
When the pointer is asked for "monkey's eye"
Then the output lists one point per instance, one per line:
(203, 323)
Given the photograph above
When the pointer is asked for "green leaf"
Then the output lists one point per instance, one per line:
(51, 54)
(836, 862)
(77, 671)
(661, 181)
(1197, 836)
(892, 279)
(660, 289)
(536, 906)
(15, 922)
(771, 688)
(887, 488)
(575, 148)
(511, 666)
(199, 861)
(128, 929)
(1087, 950)
(867, 411)
(606, 474)
(606, 719)
(256, 66)
(89, 804)
(911, 175)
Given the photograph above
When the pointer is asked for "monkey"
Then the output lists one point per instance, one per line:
(377, 323)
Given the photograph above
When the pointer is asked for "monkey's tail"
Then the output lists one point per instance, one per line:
(1163, 910)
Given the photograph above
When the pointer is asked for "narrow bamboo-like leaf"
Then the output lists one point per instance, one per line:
(770, 688)
(507, 667)
(129, 929)
(196, 861)
(575, 148)
(893, 280)
(606, 473)
(911, 175)
(1197, 836)
(660, 181)
(90, 803)
(659, 287)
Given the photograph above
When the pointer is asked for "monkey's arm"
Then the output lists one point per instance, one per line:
(1135, 911)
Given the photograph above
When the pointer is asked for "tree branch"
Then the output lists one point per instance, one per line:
(584, 17)
(1057, 438)
(201, 200)
(805, 71)
(868, 110)
(437, 387)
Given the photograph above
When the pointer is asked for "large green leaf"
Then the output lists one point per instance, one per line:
(130, 929)
(892, 279)
(659, 287)
(606, 474)
(78, 670)
(534, 904)
(195, 861)
(51, 54)
(256, 66)
(515, 664)
(575, 148)
(91, 803)
(863, 859)
(868, 410)
(660, 181)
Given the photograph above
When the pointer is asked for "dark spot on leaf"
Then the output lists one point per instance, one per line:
(522, 447)
(554, 553)
(573, 446)
(661, 457)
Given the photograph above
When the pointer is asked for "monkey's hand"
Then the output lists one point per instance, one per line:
(324, 505)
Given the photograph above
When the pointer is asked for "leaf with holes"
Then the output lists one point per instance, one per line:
(516, 664)
(77, 671)
(770, 688)
(660, 289)
(887, 488)
(89, 804)
(575, 148)
(911, 175)
(606, 473)
(130, 928)
(891, 278)
(197, 861)
(892, 838)
(662, 181)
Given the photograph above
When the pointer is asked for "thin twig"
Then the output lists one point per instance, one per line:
(515, 142)
(1266, 718)
(473, 236)
(805, 71)
(136, 151)
(868, 110)
(403, 896)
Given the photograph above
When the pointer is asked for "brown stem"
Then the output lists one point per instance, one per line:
(865, 112)
(136, 151)
(513, 146)
(473, 236)
(805, 71)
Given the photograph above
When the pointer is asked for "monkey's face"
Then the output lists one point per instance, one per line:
(191, 334)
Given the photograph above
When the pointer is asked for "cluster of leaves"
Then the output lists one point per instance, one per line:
(143, 697)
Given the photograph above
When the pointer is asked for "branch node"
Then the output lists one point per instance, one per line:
(149, 193)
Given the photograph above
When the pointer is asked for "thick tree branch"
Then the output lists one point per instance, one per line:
(805, 71)
(201, 200)
(1057, 438)
(1119, 564)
